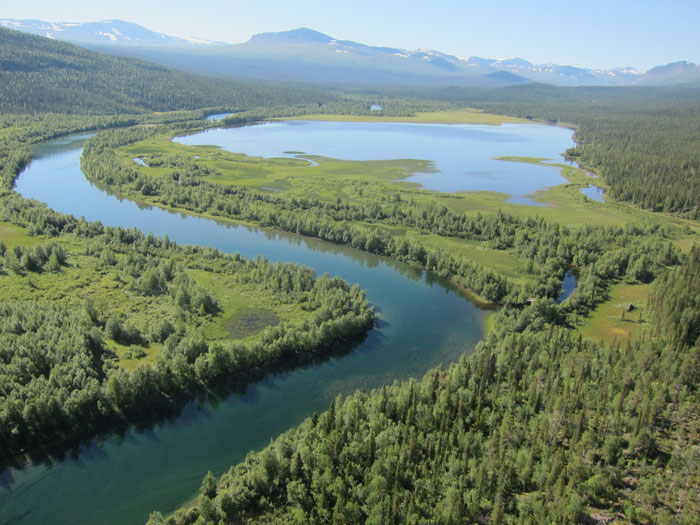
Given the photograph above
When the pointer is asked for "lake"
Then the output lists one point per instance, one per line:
(464, 157)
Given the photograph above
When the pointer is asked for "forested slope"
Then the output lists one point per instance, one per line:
(535, 427)
(42, 75)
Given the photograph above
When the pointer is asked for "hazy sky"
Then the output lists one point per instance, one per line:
(589, 33)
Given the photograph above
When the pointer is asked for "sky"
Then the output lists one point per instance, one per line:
(592, 33)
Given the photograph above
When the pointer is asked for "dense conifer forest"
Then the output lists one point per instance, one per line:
(39, 75)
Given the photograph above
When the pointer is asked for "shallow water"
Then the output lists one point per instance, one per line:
(567, 286)
(594, 193)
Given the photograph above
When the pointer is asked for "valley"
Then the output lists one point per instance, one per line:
(412, 288)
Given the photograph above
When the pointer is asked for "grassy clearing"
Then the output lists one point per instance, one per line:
(13, 235)
(504, 262)
(131, 357)
(609, 321)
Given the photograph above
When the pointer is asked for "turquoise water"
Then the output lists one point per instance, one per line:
(464, 156)
(424, 322)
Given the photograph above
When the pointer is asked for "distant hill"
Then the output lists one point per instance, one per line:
(675, 74)
(309, 56)
(112, 32)
(43, 75)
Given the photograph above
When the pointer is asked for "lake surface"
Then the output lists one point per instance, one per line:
(120, 479)
(464, 156)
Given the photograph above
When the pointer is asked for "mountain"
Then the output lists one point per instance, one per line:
(42, 75)
(112, 32)
(305, 55)
(310, 56)
(289, 37)
(676, 73)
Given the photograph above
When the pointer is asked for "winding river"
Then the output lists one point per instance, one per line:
(424, 321)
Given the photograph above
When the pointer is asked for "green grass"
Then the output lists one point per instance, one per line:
(504, 262)
(126, 354)
(13, 235)
(607, 322)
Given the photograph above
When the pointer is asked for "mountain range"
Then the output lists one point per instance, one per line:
(310, 56)
(112, 32)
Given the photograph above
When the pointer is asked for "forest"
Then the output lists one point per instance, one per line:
(495, 437)
(537, 426)
(39, 75)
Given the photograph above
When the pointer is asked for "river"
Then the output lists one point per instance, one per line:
(424, 321)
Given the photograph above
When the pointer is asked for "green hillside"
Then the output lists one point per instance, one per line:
(39, 75)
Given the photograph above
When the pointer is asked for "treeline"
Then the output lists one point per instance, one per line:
(534, 427)
(600, 255)
(59, 382)
(42, 75)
